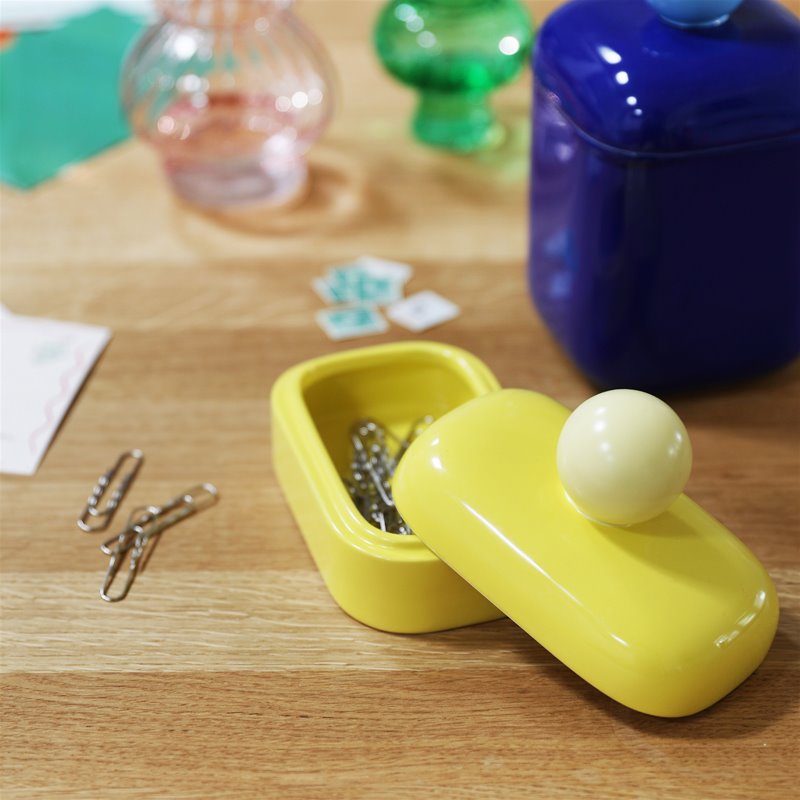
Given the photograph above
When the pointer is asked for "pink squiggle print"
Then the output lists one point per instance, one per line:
(64, 391)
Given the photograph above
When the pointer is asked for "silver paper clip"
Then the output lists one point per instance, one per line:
(145, 524)
(372, 468)
(128, 465)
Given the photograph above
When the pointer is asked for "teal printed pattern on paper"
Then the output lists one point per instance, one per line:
(350, 322)
(356, 285)
(366, 280)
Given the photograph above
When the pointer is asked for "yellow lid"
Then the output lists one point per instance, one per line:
(665, 615)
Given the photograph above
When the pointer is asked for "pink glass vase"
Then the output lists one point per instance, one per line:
(232, 94)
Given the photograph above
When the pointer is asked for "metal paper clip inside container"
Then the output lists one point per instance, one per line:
(372, 468)
(98, 519)
(144, 524)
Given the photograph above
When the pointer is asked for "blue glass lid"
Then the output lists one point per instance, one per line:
(631, 80)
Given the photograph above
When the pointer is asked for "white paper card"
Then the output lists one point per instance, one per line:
(422, 310)
(382, 267)
(43, 364)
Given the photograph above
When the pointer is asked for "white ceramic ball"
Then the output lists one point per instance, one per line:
(623, 457)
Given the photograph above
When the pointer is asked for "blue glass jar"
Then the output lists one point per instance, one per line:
(665, 192)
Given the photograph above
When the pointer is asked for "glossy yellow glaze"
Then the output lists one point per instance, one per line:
(666, 616)
(384, 580)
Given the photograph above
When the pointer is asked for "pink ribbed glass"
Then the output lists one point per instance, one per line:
(232, 93)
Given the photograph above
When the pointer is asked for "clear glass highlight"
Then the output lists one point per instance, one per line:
(232, 94)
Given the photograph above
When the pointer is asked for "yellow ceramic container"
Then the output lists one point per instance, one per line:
(666, 616)
(384, 580)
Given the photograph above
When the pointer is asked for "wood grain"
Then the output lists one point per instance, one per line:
(229, 671)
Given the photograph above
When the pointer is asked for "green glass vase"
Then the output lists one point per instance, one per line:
(455, 53)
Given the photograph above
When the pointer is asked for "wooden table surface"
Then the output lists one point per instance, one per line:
(229, 671)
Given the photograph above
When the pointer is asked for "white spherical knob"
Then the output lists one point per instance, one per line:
(623, 457)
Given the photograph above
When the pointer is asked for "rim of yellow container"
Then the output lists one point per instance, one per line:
(324, 481)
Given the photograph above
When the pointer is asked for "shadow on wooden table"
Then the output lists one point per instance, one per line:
(770, 693)
(347, 185)
(506, 164)
(754, 706)
(721, 406)
(337, 196)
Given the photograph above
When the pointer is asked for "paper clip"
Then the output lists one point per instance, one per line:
(372, 467)
(104, 515)
(145, 524)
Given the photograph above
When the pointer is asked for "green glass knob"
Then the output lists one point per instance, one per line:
(455, 52)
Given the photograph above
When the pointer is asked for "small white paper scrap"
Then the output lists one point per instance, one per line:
(422, 311)
(24, 15)
(350, 322)
(44, 363)
(383, 268)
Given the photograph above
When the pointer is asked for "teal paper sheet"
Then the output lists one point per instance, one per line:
(59, 95)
